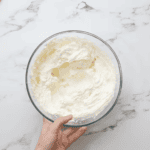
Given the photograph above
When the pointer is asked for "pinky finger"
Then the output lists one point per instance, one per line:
(77, 134)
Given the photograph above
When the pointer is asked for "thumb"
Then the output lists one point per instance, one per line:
(58, 123)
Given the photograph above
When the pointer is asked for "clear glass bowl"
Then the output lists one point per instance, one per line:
(104, 47)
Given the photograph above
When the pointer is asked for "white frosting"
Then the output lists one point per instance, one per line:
(64, 87)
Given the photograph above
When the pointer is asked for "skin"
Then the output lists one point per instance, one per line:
(53, 138)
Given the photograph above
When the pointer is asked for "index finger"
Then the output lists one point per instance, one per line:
(58, 123)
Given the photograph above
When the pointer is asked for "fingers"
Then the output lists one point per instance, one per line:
(70, 131)
(77, 134)
(58, 123)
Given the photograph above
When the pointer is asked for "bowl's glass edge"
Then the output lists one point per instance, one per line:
(83, 32)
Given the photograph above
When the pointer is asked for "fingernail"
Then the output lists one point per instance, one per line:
(84, 128)
(71, 115)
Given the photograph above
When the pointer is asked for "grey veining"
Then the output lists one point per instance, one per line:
(127, 32)
(28, 14)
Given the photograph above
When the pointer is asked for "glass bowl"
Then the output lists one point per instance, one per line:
(104, 47)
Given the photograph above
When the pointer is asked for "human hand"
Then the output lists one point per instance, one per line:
(52, 138)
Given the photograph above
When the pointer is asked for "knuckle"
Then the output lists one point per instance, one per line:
(69, 141)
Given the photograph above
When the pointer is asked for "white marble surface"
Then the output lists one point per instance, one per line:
(124, 24)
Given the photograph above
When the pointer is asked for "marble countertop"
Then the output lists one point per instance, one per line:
(125, 25)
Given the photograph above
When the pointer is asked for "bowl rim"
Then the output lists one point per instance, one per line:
(82, 32)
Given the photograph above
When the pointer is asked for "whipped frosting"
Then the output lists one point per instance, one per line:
(73, 76)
